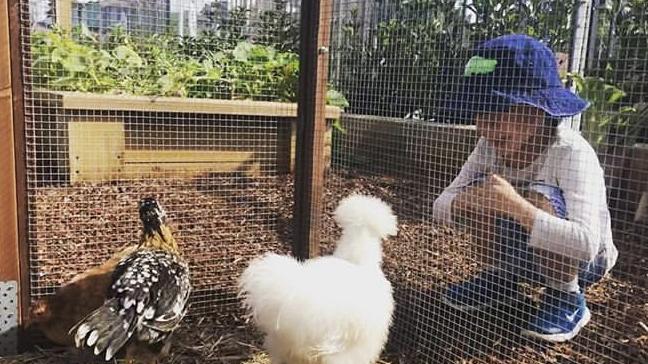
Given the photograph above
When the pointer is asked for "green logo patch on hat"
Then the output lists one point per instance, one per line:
(479, 65)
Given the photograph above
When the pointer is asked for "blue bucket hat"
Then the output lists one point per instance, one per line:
(513, 70)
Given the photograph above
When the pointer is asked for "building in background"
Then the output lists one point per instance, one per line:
(186, 17)
(137, 16)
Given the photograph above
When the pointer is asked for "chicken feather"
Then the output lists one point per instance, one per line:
(332, 309)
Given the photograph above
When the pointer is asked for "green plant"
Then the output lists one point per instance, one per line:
(165, 65)
(543, 19)
(606, 115)
(61, 62)
(397, 64)
(260, 72)
(232, 31)
(214, 13)
(623, 45)
(279, 28)
(336, 98)
(395, 57)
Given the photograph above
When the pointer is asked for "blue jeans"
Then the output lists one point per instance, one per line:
(514, 253)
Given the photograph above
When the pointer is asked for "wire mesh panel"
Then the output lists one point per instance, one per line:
(522, 236)
(522, 212)
(192, 102)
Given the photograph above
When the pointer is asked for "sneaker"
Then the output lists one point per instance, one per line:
(484, 290)
(561, 316)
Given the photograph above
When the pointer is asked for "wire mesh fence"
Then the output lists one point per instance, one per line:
(400, 63)
(194, 102)
(191, 102)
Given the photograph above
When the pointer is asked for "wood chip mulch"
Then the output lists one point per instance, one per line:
(223, 221)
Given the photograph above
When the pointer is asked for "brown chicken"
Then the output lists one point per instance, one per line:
(55, 315)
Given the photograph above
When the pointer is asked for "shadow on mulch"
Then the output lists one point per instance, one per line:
(434, 332)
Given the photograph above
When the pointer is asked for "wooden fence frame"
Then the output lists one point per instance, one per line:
(14, 258)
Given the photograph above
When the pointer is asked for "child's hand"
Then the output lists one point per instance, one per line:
(473, 203)
(505, 200)
(503, 195)
(494, 196)
(481, 203)
(467, 201)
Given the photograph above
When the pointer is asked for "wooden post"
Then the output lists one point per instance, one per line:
(11, 193)
(311, 126)
(581, 25)
(63, 10)
(14, 176)
(9, 270)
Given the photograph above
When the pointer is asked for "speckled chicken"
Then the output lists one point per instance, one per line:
(55, 315)
(146, 300)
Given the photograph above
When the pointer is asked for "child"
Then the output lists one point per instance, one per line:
(512, 89)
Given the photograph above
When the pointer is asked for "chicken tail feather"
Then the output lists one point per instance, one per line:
(105, 329)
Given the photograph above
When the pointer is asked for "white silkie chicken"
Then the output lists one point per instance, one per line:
(327, 310)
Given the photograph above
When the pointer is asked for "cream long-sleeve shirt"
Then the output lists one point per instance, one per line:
(569, 163)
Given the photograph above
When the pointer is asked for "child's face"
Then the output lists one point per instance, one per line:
(510, 131)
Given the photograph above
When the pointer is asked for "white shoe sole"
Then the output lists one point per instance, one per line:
(559, 338)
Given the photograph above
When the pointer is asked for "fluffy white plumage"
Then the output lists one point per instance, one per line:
(328, 310)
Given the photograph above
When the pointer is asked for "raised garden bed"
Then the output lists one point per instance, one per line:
(97, 137)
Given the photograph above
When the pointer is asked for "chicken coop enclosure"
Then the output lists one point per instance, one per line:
(250, 120)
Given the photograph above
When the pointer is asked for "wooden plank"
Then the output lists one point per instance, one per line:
(202, 134)
(9, 253)
(18, 105)
(186, 163)
(140, 170)
(5, 58)
(9, 256)
(89, 101)
(96, 150)
(185, 157)
(293, 146)
(98, 153)
(311, 126)
(64, 14)
(431, 152)
(225, 135)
